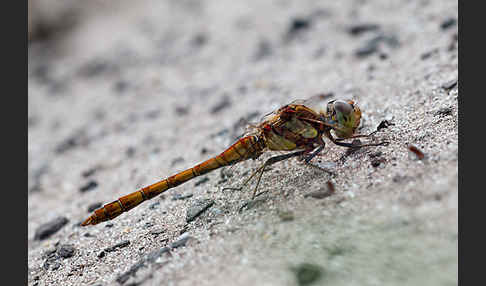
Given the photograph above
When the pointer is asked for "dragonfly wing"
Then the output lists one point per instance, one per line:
(318, 102)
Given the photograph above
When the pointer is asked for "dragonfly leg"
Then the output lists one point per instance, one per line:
(261, 169)
(355, 136)
(244, 183)
(314, 153)
(272, 161)
(351, 145)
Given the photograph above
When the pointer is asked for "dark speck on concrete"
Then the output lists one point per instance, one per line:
(176, 196)
(89, 172)
(88, 186)
(445, 111)
(373, 45)
(94, 206)
(48, 229)
(450, 84)
(296, 27)
(199, 40)
(71, 142)
(120, 86)
(181, 110)
(130, 151)
(117, 246)
(224, 103)
(358, 29)
(448, 23)
(299, 24)
(428, 54)
(307, 273)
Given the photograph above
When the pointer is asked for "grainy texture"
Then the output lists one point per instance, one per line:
(134, 91)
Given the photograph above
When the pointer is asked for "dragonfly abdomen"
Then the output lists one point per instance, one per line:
(245, 148)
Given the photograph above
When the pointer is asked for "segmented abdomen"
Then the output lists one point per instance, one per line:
(245, 148)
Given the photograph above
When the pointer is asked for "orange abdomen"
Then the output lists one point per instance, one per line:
(245, 148)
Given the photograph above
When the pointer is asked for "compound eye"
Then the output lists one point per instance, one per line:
(343, 107)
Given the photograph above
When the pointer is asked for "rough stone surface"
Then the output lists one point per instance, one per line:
(139, 90)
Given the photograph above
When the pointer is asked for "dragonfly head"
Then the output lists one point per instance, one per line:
(346, 114)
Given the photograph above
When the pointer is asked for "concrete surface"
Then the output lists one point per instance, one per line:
(130, 92)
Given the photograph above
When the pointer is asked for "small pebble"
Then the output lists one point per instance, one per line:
(446, 24)
(89, 186)
(450, 84)
(130, 151)
(297, 25)
(181, 241)
(445, 111)
(176, 196)
(307, 273)
(89, 172)
(66, 251)
(198, 208)
(117, 246)
(201, 181)
(48, 229)
(359, 29)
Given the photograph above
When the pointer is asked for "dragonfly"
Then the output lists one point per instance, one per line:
(299, 127)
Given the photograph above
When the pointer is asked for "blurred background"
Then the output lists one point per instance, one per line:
(124, 93)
